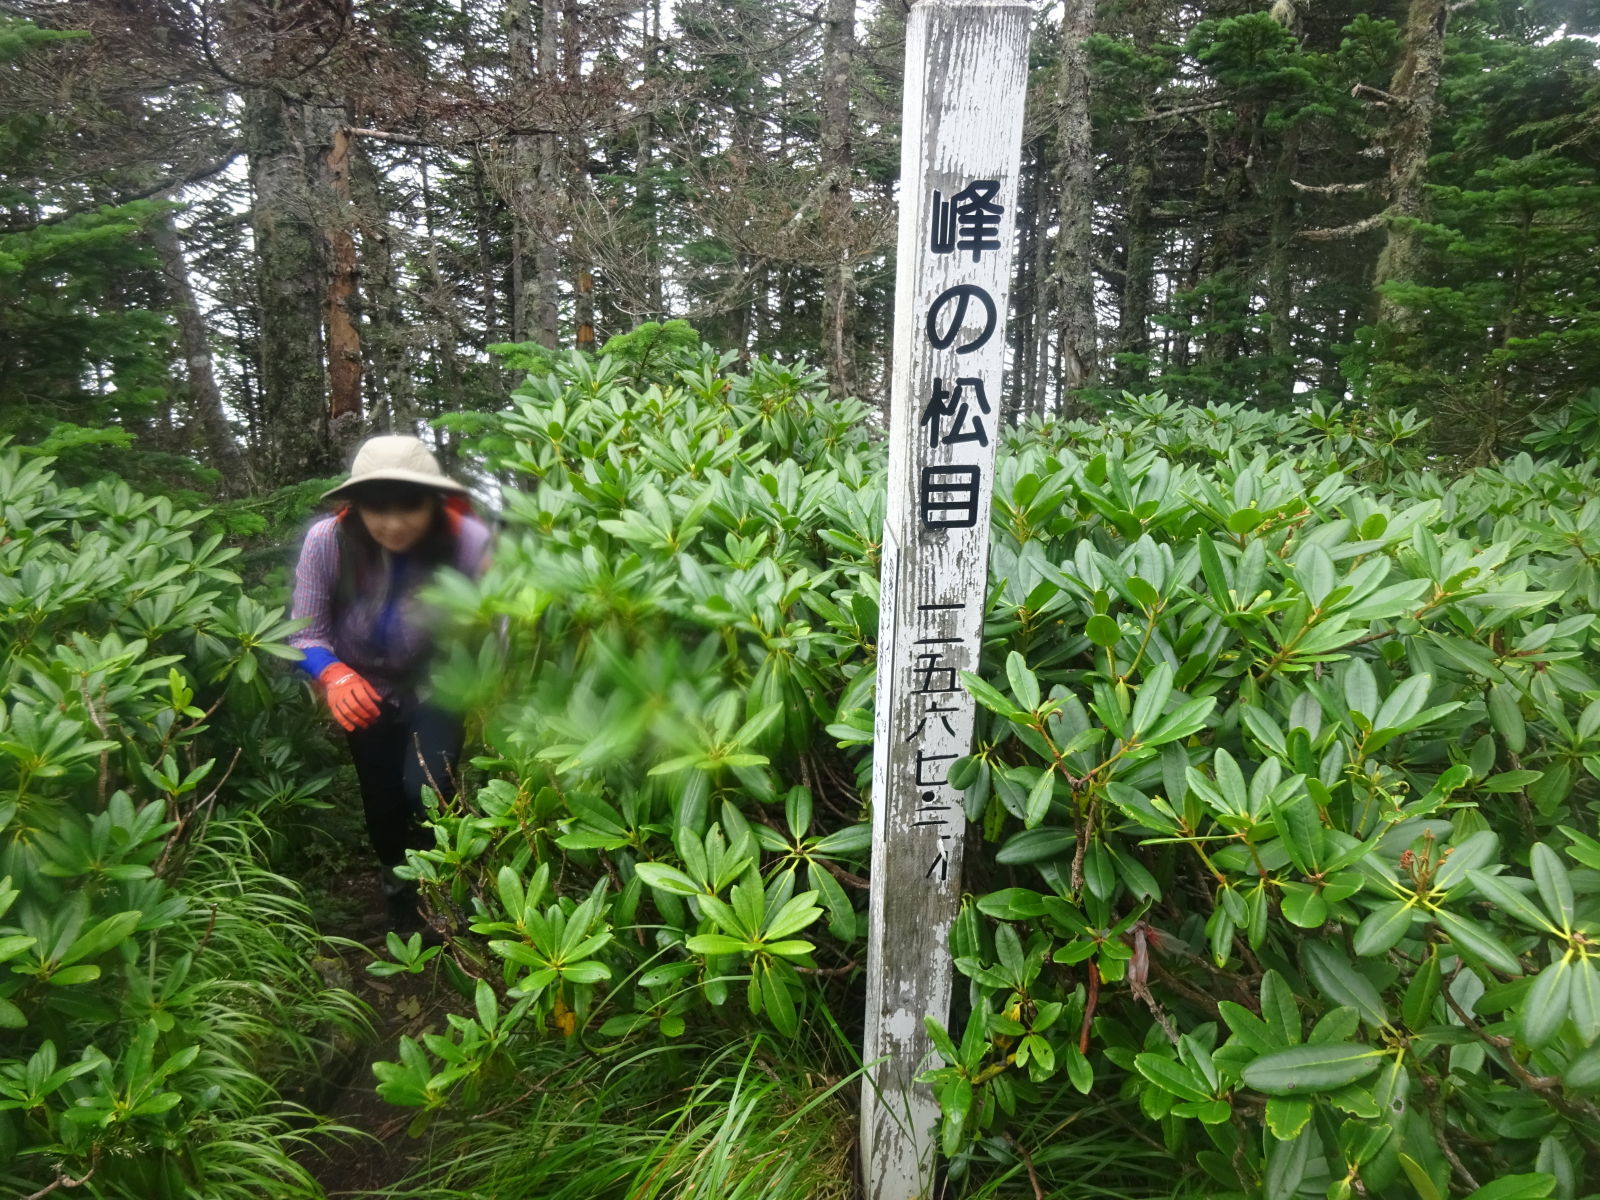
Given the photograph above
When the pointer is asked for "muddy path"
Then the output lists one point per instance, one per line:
(380, 1154)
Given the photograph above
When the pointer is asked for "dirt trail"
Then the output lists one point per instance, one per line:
(368, 1166)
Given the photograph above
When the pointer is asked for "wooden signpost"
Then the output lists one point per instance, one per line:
(965, 80)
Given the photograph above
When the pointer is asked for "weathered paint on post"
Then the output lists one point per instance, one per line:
(965, 81)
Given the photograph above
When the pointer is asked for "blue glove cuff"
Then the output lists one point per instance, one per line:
(316, 660)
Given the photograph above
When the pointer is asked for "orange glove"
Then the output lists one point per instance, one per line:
(354, 701)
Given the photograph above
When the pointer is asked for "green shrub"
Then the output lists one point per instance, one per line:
(1291, 787)
(740, 1120)
(157, 985)
(1285, 778)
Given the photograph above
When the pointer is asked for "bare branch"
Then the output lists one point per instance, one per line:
(1205, 106)
(166, 184)
(1335, 189)
(1365, 225)
(1382, 98)
(383, 135)
(62, 1181)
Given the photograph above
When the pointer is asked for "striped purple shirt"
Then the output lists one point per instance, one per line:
(385, 633)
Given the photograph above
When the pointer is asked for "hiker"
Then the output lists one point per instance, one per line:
(399, 519)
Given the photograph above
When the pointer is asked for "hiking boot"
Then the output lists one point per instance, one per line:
(402, 902)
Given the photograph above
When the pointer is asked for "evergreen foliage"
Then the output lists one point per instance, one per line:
(1286, 771)
(76, 345)
(158, 989)
(1268, 223)
(1288, 753)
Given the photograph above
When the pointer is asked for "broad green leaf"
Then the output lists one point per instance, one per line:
(585, 972)
(1420, 1180)
(1474, 851)
(1383, 928)
(1316, 574)
(1208, 1112)
(1278, 1007)
(794, 916)
(103, 936)
(1589, 721)
(1182, 722)
(1102, 630)
(1416, 1009)
(725, 916)
(1555, 889)
(1477, 942)
(1011, 904)
(1080, 1071)
(1300, 826)
(1505, 714)
(1584, 849)
(14, 944)
(789, 948)
(1584, 999)
(668, 879)
(1303, 905)
(716, 943)
(1517, 1187)
(1243, 520)
(1172, 1076)
(1024, 684)
(1039, 796)
(1150, 701)
(941, 1040)
(1405, 702)
(1337, 978)
(991, 697)
(1288, 1115)
(1583, 1073)
(1036, 845)
(1507, 782)
(1297, 1070)
(71, 976)
(1230, 782)
(779, 1004)
(956, 1104)
(1503, 896)
(1544, 1009)
(1248, 1028)
(1361, 689)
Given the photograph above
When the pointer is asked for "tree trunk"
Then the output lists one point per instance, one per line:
(1025, 299)
(1074, 284)
(532, 175)
(1416, 85)
(546, 282)
(291, 274)
(644, 195)
(339, 304)
(205, 398)
(488, 268)
(1038, 401)
(1138, 269)
(577, 168)
(838, 296)
(386, 344)
(1280, 279)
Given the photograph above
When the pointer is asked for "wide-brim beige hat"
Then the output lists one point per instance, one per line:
(395, 458)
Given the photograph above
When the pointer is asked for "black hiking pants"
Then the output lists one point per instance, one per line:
(404, 751)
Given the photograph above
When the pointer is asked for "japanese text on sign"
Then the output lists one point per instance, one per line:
(962, 317)
(935, 695)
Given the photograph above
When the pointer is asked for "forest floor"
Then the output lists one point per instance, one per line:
(342, 886)
(381, 1154)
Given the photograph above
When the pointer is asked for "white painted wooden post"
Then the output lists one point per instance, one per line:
(965, 81)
